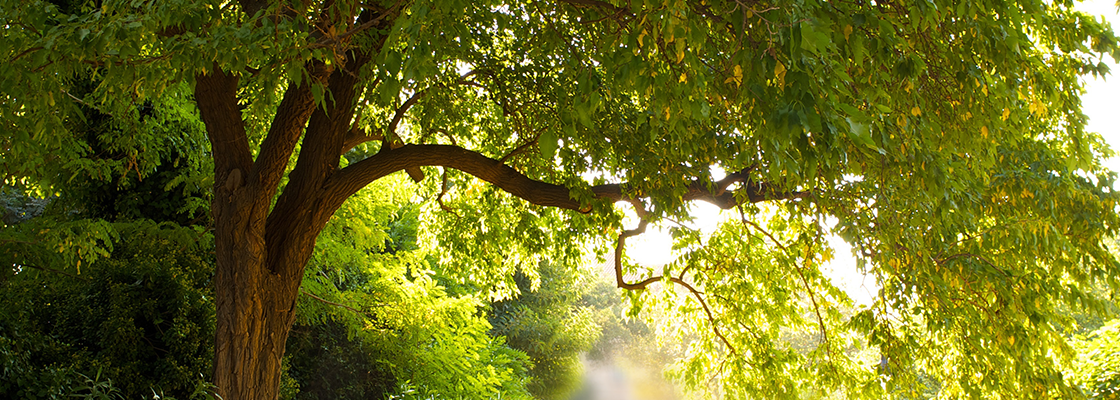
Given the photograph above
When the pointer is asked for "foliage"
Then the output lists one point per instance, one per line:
(943, 140)
(18, 207)
(325, 362)
(628, 344)
(1098, 364)
(551, 326)
(162, 174)
(374, 312)
(136, 323)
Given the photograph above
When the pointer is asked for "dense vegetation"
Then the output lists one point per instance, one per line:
(367, 187)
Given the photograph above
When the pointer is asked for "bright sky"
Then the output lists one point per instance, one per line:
(1101, 103)
(1102, 100)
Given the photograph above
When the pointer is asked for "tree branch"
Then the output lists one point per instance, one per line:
(382, 15)
(297, 208)
(287, 125)
(443, 191)
(352, 178)
(798, 269)
(328, 302)
(52, 270)
(355, 137)
(620, 280)
(390, 140)
(391, 131)
(215, 93)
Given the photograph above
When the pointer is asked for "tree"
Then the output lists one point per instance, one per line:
(943, 140)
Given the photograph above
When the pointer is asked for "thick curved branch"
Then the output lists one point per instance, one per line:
(356, 176)
(356, 137)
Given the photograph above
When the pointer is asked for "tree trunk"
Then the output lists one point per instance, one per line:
(255, 292)
(261, 253)
(255, 308)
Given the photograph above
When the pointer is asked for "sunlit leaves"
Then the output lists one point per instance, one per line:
(1098, 364)
(436, 343)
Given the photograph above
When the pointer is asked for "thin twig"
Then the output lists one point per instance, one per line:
(442, 191)
(620, 280)
(798, 269)
(60, 272)
(325, 301)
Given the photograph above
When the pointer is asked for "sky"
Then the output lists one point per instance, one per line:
(1101, 102)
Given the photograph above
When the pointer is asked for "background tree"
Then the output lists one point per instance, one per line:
(944, 139)
(552, 326)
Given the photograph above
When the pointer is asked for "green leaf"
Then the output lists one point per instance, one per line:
(861, 134)
(548, 142)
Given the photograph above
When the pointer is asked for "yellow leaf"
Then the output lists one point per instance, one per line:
(1037, 107)
(916, 111)
(901, 121)
(1006, 113)
(847, 31)
(1011, 340)
(984, 131)
(984, 89)
(736, 76)
(683, 78)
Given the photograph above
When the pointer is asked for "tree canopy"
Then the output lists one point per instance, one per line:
(943, 140)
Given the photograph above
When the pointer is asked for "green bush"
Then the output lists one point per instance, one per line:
(1098, 365)
(142, 319)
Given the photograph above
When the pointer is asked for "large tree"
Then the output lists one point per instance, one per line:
(943, 139)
